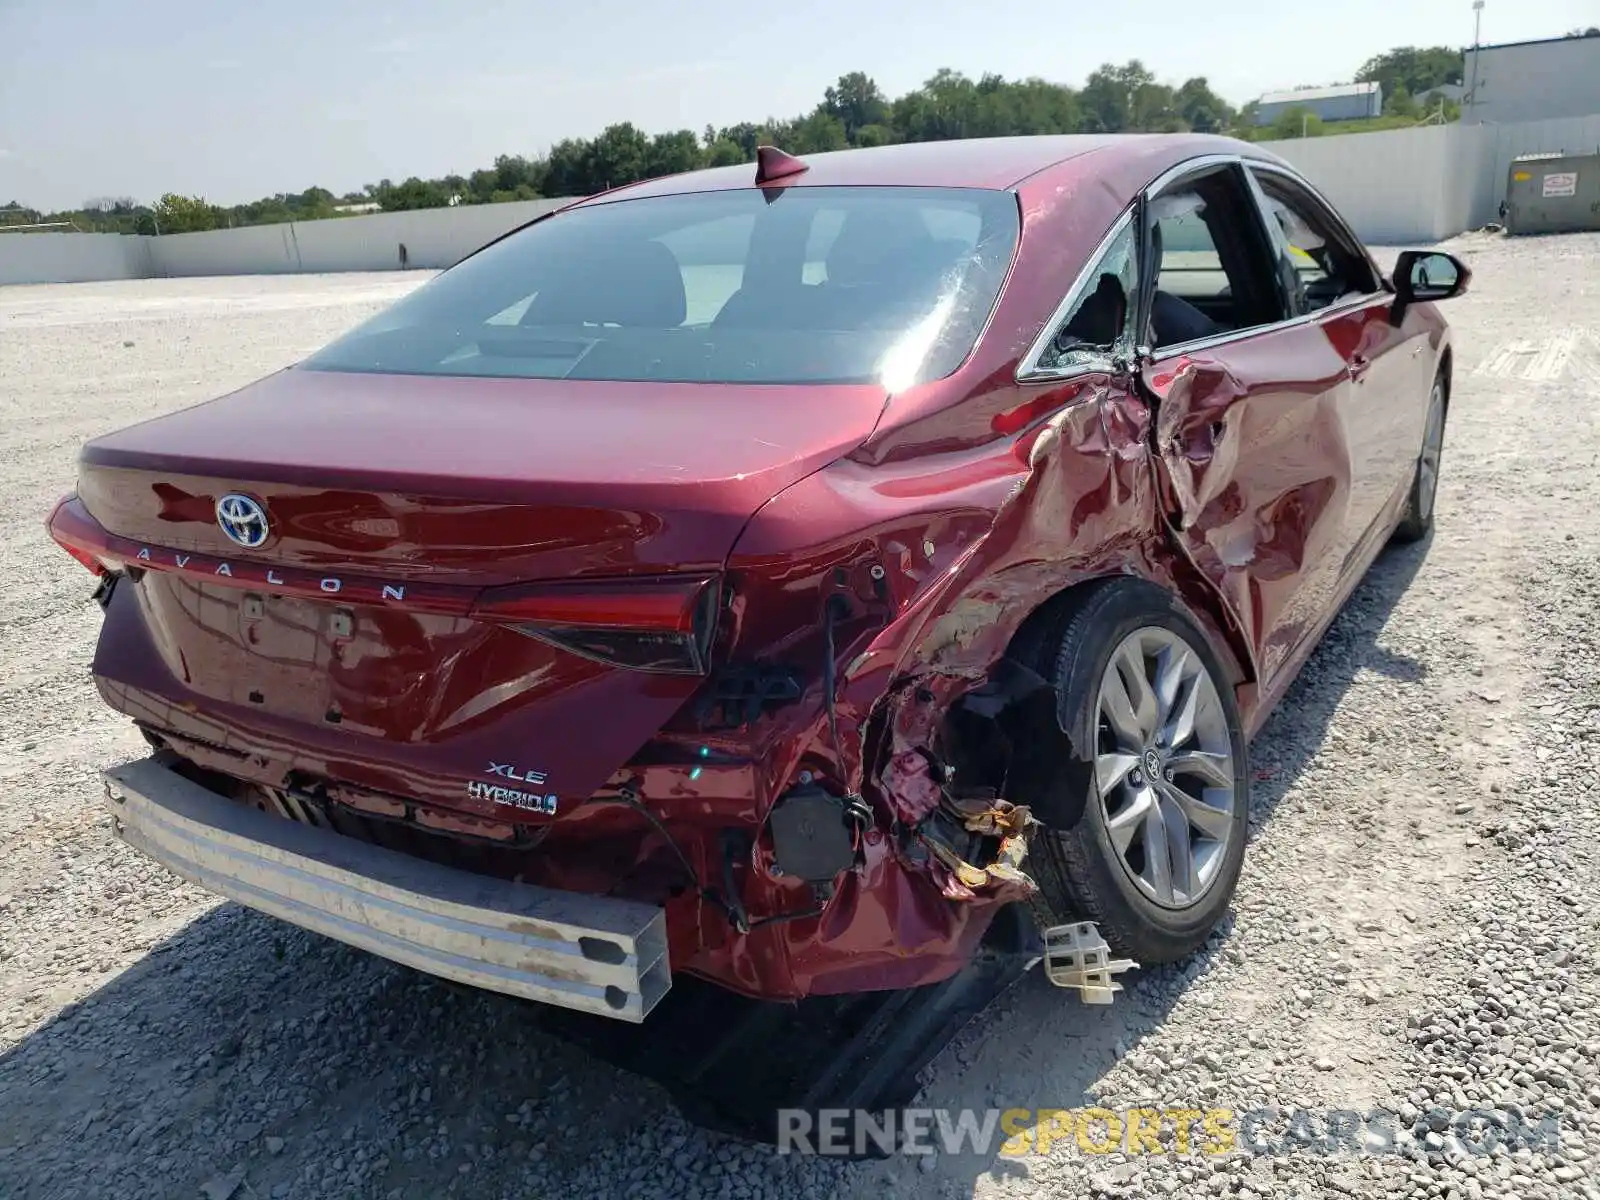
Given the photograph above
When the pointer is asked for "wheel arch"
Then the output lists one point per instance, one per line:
(1016, 733)
(1078, 864)
(1197, 601)
(1011, 693)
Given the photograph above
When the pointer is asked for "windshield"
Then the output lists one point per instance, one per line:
(815, 285)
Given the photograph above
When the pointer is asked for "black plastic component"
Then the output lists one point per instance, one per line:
(811, 834)
(740, 694)
(837, 608)
(1009, 682)
(102, 590)
(731, 1063)
(735, 846)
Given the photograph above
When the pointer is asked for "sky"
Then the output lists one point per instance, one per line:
(235, 100)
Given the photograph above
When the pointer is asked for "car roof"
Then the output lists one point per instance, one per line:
(999, 163)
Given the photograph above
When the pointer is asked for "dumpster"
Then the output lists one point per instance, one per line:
(1553, 193)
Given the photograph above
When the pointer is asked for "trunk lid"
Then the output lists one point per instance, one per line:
(353, 638)
(482, 480)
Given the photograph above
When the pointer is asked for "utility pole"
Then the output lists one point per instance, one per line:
(1477, 31)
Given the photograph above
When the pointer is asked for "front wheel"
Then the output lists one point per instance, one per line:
(1418, 518)
(1152, 853)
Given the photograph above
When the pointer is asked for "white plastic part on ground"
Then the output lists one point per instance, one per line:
(1076, 956)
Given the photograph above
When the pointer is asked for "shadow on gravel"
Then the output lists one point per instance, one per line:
(242, 1047)
(241, 1043)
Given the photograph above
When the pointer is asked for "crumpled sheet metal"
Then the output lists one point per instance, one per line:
(1004, 875)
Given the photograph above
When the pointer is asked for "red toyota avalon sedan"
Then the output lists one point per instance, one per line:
(771, 574)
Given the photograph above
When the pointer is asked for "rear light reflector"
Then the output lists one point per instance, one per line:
(59, 531)
(637, 650)
(88, 560)
(661, 625)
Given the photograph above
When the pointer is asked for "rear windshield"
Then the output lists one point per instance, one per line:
(817, 284)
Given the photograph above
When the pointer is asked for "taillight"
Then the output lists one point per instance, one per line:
(663, 625)
(59, 534)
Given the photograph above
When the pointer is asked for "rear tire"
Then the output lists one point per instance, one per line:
(1417, 521)
(1152, 860)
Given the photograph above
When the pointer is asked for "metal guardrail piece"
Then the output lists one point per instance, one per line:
(595, 954)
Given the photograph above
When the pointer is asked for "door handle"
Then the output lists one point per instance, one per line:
(1359, 365)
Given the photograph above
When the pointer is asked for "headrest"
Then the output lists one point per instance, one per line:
(1295, 230)
(873, 245)
(633, 283)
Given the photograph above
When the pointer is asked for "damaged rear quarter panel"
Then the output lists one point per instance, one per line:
(1010, 521)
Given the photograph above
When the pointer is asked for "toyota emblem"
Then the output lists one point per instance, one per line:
(242, 519)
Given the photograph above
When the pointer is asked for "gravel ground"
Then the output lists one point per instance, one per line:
(1416, 931)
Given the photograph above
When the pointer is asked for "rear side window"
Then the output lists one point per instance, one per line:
(824, 284)
(1099, 318)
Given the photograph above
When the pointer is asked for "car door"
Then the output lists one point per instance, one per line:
(1253, 414)
(1335, 284)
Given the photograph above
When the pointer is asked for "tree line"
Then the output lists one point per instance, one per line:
(852, 112)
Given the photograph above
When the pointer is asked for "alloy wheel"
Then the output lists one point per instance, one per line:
(1164, 766)
(1432, 450)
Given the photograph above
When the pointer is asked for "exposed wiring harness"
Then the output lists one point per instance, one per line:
(734, 843)
(856, 809)
(735, 911)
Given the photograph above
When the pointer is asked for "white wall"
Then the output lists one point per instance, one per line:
(436, 237)
(433, 237)
(1424, 184)
(1534, 81)
(1396, 186)
(251, 250)
(1434, 181)
(71, 257)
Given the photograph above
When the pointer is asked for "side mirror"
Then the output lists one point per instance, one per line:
(1427, 275)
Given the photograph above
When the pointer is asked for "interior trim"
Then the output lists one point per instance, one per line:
(1192, 166)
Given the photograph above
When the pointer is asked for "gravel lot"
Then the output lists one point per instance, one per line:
(1417, 929)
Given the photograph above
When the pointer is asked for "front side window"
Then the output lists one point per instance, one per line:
(1212, 267)
(1318, 264)
(815, 285)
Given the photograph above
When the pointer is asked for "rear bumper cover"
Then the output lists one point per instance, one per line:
(595, 954)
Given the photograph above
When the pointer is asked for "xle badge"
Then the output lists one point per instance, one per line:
(494, 793)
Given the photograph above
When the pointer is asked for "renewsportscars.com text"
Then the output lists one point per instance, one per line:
(1156, 1131)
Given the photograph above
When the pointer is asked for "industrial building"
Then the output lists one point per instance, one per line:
(1532, 81)
(1345, 102)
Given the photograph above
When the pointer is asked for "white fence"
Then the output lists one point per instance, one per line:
(1403, 185)
(72, 257)
(1392, 187)
(432, 237)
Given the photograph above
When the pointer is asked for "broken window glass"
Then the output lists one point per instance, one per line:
(1098, 322)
